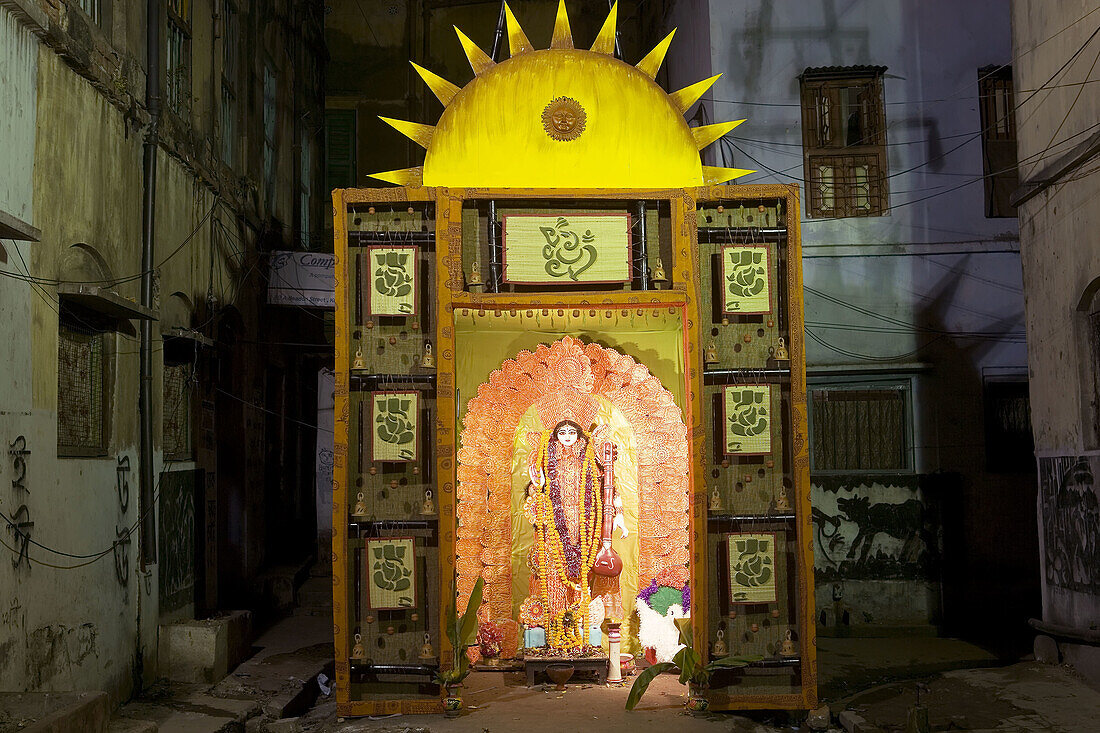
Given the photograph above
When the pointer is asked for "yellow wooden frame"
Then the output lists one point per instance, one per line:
(685, 291)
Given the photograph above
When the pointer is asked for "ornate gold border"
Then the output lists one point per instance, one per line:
(341, 407)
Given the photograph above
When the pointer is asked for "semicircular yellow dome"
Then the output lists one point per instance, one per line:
(562, 118)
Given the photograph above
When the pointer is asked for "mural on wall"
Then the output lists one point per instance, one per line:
(873, 528)
(1071, 522)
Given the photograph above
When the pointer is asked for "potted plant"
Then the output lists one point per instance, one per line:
(693, 672)
(462, 633)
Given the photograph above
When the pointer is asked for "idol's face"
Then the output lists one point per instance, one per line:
(567, 435)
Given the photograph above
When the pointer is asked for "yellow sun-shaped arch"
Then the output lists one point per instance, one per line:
(562, 118)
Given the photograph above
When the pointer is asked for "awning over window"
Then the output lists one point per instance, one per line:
(105, 302)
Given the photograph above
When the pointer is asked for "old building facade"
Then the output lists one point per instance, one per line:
(109, 534)
(1056, 48)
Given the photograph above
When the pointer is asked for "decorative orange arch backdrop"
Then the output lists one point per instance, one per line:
(563, 379)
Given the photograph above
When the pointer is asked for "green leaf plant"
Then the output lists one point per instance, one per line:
(690, 664)
(463, 633)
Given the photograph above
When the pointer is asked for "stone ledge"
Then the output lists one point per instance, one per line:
(58, 712)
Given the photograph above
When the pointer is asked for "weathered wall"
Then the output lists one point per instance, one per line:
(1061, 259)
(74, 628)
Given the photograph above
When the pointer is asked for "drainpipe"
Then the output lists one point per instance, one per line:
(149, 183)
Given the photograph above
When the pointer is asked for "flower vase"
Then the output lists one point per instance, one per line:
(452, 703)
(697, 701)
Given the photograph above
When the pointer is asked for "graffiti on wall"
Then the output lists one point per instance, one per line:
(1071, 522)
(873, 528)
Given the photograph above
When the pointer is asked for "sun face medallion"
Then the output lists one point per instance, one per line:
(564, 119)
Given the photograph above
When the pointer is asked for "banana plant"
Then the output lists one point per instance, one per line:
(690, 664)
(462, 632)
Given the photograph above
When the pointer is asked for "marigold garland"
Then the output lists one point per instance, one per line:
(566, 628)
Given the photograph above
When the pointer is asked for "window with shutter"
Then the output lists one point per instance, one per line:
(339, 148)
(844, 141)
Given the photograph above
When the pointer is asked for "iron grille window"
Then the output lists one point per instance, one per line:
(177, 69)
(230, 78)
(305, 187)
(229, 126)
(844, 142)
(860, 428)
(270, 86)
(998, 139)
(81, 389)
(176, 406)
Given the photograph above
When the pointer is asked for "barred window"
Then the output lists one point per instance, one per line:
(998, 139)
(176, 407)
(93, 9)
(81, 389)
(860, 428)
(844, 141)
(230, 79)
(177, 87)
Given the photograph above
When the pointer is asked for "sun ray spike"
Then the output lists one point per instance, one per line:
(712, 175)
(688, 96)
(443, 90)
(706, 134)
(419, 134)
(563, 36)
(651, 64)
(605, 40)
(479, 60)
(402, 177)
(517, 41)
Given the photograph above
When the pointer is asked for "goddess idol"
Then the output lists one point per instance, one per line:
(571, 500)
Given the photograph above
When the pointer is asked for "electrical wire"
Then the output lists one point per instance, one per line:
(111, 282)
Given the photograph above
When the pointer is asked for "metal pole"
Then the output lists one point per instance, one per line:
(643, 246)
(618, 48)
(499, 34)
(494, 259)
(145, 348)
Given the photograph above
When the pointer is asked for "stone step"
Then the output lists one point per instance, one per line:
(125, 725)
(190, 713)
(56, 712)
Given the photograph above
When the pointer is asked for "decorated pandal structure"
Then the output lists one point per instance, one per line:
(570, 399)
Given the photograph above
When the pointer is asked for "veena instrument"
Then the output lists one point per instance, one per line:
(608, 563)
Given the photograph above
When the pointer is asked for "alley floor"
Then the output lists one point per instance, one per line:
(868, 684)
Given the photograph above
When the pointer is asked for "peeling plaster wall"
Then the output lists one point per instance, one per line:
(1061, 258)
